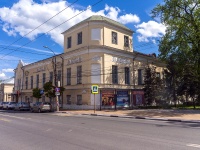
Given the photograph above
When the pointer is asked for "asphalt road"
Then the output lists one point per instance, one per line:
(34, 131)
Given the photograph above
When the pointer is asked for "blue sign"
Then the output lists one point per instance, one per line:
(123, 99)
(57, 89)
(41, 91)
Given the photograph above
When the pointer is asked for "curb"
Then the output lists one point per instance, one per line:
(137, 117)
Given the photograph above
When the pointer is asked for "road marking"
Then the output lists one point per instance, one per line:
(49, 129)
(194, 145)
(15, 117)
(6, 120)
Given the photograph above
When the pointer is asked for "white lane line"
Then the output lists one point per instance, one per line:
(14, 116)
(6, 120)
(48, 129)
(194, 145)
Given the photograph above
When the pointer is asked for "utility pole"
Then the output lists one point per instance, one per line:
(55, 77)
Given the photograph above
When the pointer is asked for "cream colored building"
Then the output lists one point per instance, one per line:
(97, 51)
(6, 89)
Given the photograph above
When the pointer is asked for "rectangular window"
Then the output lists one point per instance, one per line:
(43, 78)
(79, 99)
(68, 76)
(69, 99)
(69, 42)
(127, 75)
(18, 84)
(114, 38)
(43, 98)
(26, 82)
(126, 41)
(37, 81)
(51, 77)
(79, 38)
(79, 74)
(158, 75)
(114, 74)
(59, 75)
(139, 76)
(31, 82)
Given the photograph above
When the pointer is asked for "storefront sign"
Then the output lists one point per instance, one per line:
(74, 60)
(41, 69)
(121, 60)
(96, 58)
(123, 99)
(108, 98)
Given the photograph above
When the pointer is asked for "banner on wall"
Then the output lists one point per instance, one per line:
(107, 98)
(123, 99)
(138, 98)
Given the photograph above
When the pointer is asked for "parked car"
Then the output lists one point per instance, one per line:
(5, 105)
(22, 106)
(1, 105)
(41, 107)
(11, 105)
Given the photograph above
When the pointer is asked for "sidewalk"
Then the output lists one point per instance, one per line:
(176, 115)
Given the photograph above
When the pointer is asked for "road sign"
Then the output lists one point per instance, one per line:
(94, 89)
(41, 92)
(57, 93)
(57, 89)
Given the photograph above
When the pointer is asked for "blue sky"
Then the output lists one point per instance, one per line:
(18, 18)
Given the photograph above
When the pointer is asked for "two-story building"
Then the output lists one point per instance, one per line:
(6, 88)
(97, 51)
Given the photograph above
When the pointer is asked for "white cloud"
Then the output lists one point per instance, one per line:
(7, 70)
(150, 31)
(26, 15)
(129, 18)
(3, 76)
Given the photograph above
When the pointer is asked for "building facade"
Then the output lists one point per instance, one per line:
(97, 51)
(6, 89)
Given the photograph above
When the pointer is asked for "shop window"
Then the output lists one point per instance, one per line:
(68, 76)
(79, 38)
(69, 42)
(114, 74)
(114, 38)
(126, 41)
(79, 74)
(79, 99)
(69, 99)
(127, 75)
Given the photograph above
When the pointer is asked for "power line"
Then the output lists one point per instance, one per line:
(52, 29)
(25, 51)
(39, 26)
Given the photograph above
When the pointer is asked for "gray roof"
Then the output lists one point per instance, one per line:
(101, 18)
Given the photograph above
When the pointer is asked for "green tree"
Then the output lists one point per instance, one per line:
(36, 93)
(149, 85)
(182, 38)
(49, 89)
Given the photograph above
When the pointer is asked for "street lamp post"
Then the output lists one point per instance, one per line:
(55, 77)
